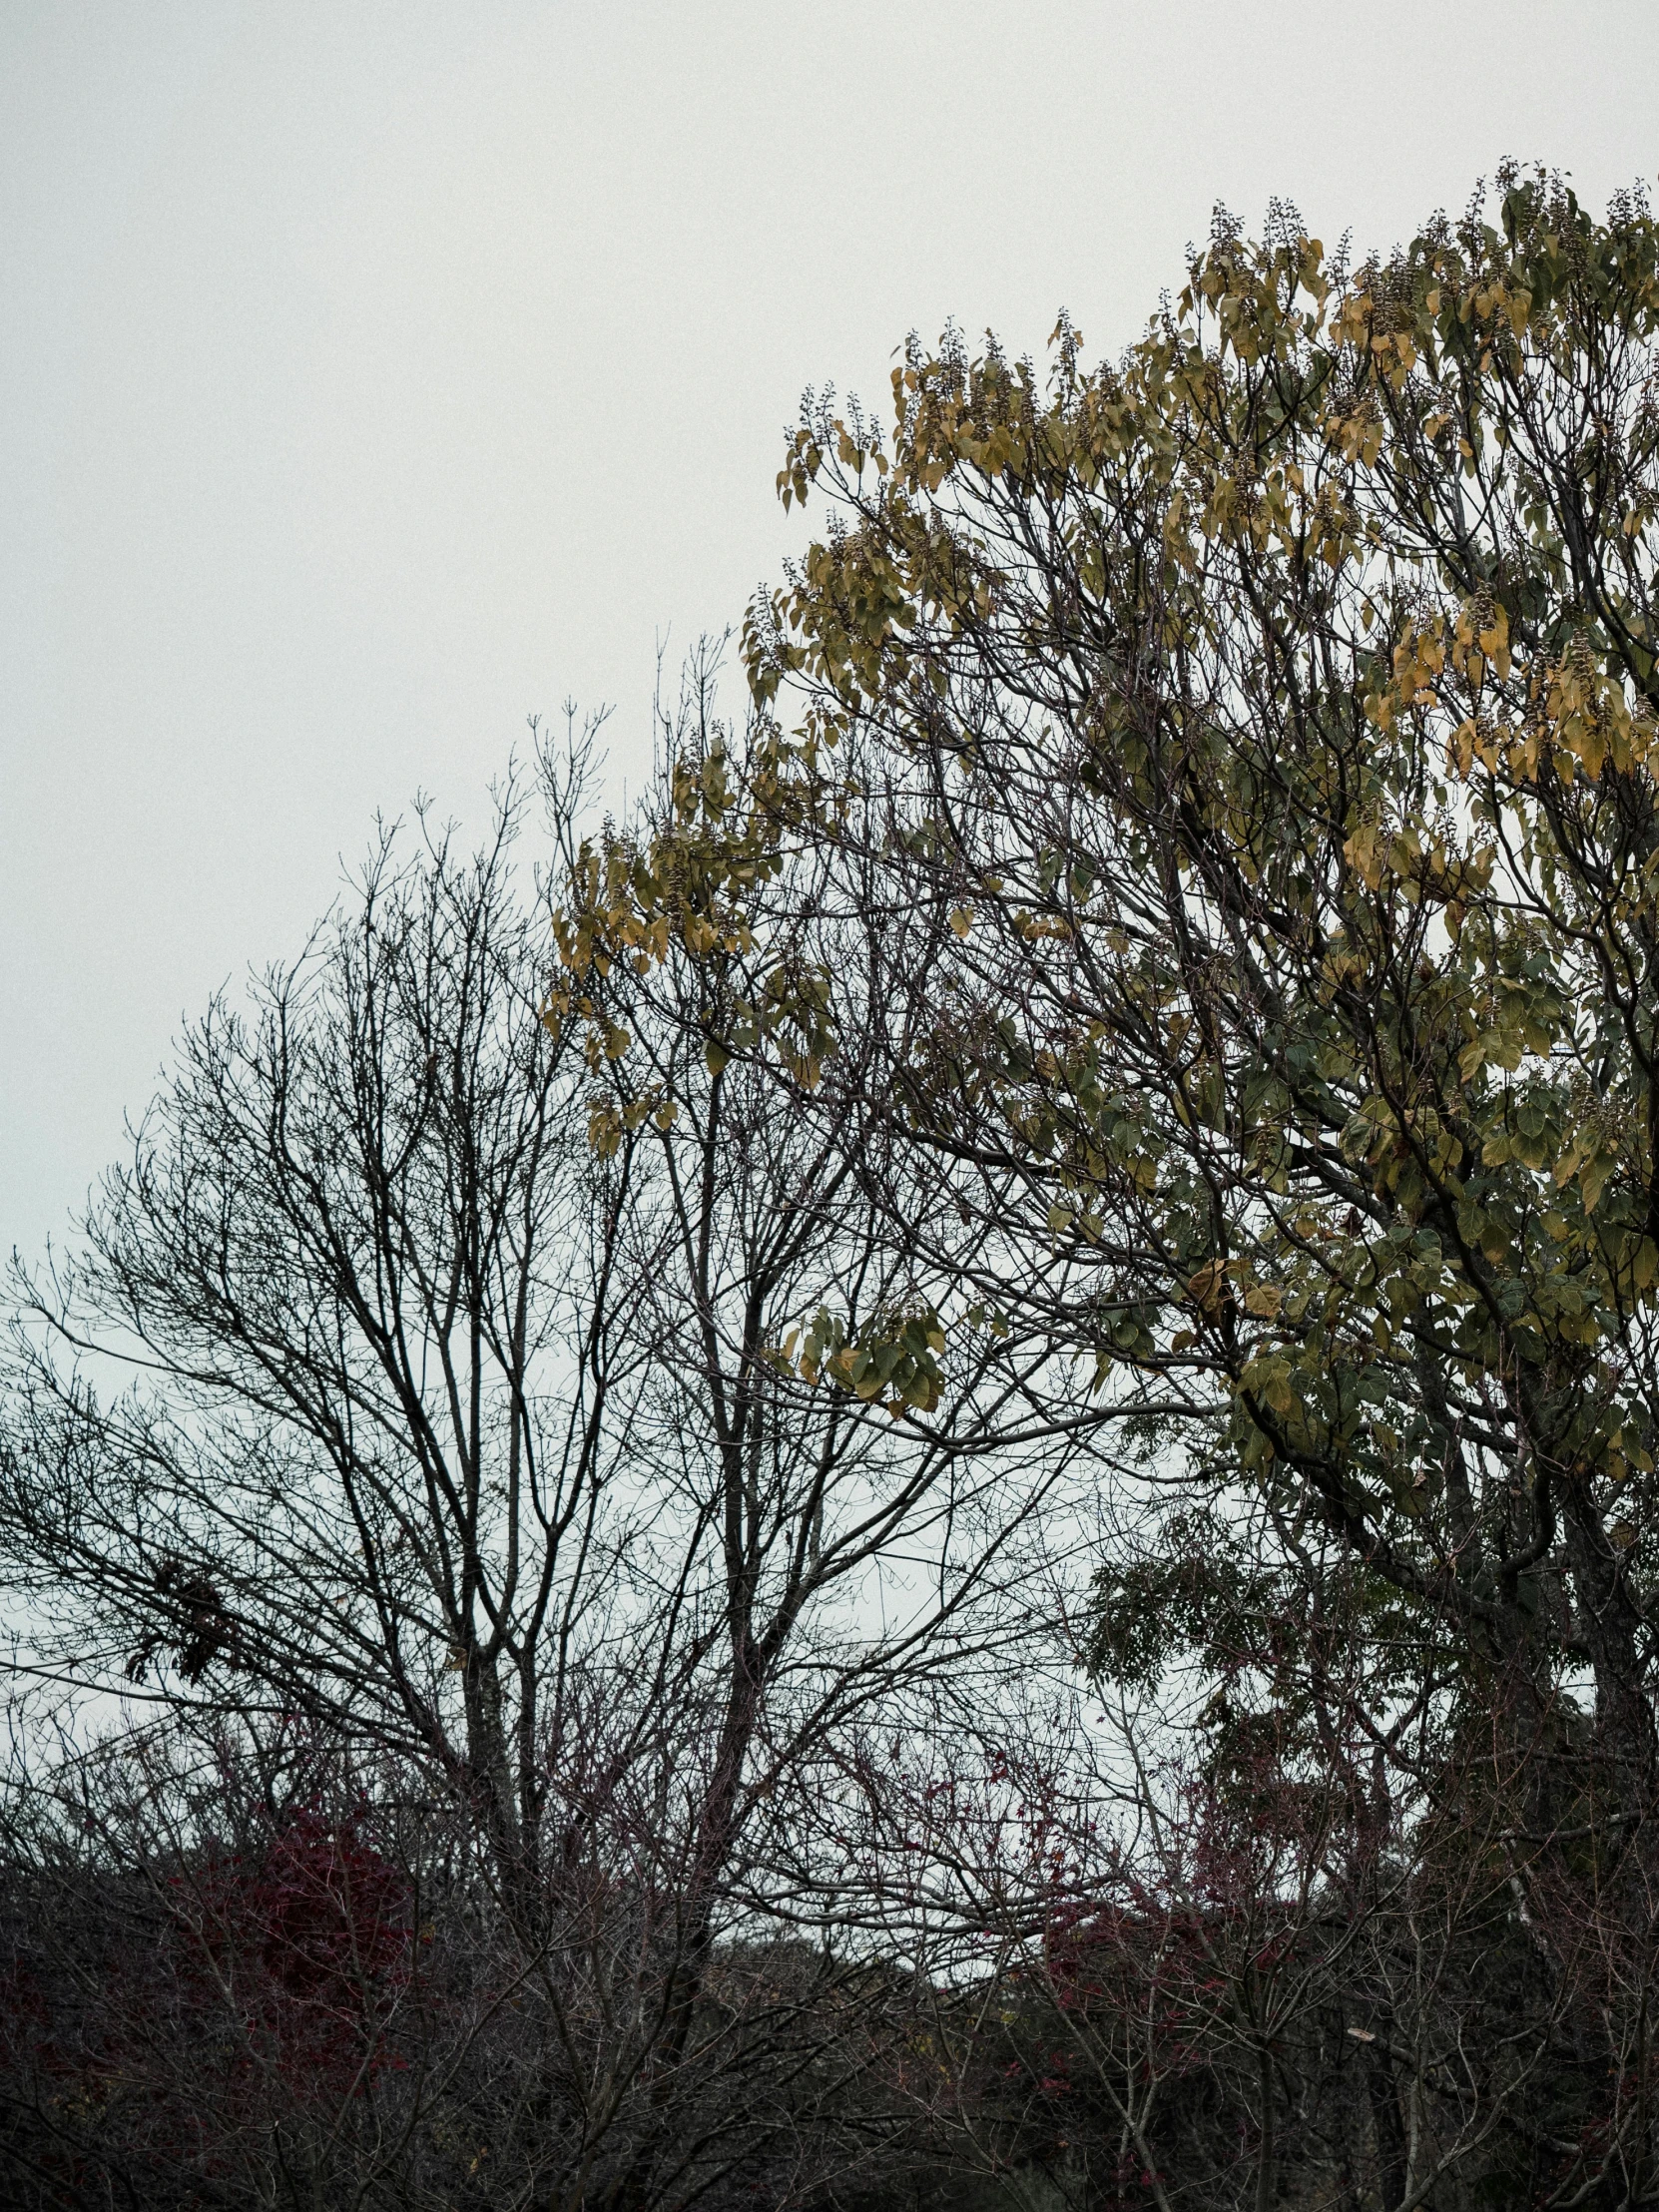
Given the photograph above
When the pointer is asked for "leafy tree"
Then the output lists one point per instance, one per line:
(1230, 772)
(1254, 736)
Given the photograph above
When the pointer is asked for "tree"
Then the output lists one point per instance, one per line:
(1239, 763)
(419, 1383)
(1259, 733)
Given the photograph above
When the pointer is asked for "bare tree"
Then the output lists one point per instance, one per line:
(422, 1385)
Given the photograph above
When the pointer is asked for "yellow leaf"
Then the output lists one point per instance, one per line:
(1205, 1286)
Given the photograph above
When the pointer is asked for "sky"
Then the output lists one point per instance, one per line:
(373, 377)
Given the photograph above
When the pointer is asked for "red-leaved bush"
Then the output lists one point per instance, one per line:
(306, 1944)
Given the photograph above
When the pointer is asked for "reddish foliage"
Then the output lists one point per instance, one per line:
(309, 1945)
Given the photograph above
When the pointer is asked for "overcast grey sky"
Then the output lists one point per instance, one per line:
(373, 377)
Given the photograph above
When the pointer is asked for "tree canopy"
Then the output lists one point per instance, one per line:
(1237, 761)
